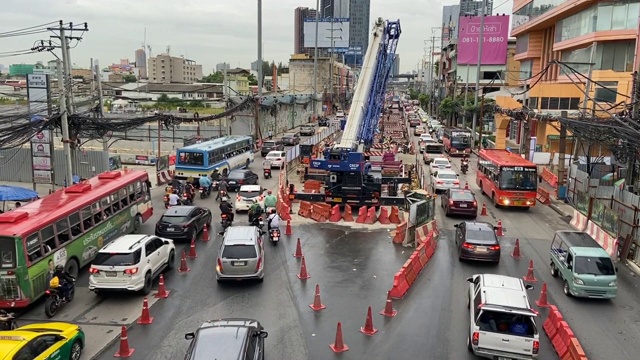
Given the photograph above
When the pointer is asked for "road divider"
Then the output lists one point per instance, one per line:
(562, 337)
(400, 233)
(579, 221)
(408, 273)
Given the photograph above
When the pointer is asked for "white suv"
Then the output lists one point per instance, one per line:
(130, 263)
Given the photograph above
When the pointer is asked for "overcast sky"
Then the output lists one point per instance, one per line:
(207, 31)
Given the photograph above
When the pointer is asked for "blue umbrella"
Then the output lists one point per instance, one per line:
(16, 193)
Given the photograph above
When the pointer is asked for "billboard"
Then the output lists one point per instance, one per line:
(494, 45)
(41, 142)
(338, 29)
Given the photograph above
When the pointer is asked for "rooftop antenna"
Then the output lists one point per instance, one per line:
(149, 48)
(168, 49)
(144, 41)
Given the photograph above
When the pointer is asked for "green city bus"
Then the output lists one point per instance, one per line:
(67, 227)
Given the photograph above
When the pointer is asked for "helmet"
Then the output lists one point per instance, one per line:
(269, 192)
(216, 169)
(59, 267)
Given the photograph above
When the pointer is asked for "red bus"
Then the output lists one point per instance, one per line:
(456, 141)
(67, 228)
(507, 178)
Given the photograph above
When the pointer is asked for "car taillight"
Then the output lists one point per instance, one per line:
(240, 181)
(450, 202)
(131, 271)
(536, 346)
(219, 266)
(47, 292)
(476, 338)
(94, 271)
(261, 197)
(259, 264)
(224, 216)
(439, 182)
(466, 245)
(475, 203)
(238, 198)
(494, 247)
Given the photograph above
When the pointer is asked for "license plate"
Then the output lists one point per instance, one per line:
(338, 200)
(170, 229)
(239, 263)
(481, 248)
(463, 205)
(248, 200)
(518, 203)
(232, 182)
(201, 191)
(504, 358)
(449, 182)
(110, 274)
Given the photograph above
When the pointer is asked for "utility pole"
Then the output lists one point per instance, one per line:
(100, 112)
(293, 106)
(260, 75)
(315, 62)
(562, 151)
(481, 123)
(225, 92)
(66, 142)
(480, 41)
(466, 93)
(331, 67)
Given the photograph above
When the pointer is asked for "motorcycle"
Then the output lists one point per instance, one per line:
(226, 221)
(267, 173)
(223, 195)
(258, 222)
(464, 167)
(54, 300)
(7, 321)
(214, 186)
(186, 199)
(204, 193)
(274, 236)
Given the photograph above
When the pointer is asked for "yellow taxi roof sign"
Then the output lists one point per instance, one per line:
(12, 337)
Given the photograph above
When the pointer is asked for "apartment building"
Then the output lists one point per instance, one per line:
(594, 39)
(167, 69)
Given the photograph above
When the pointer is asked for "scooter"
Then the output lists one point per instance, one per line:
(186, 199)
(7, 321)
(274, 236)
(55, 302)
(223, 195)
(226, 221)
(204, 193)
(267, 173)
(258, 222)
(464, 167)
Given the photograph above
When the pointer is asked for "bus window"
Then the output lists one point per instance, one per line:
(132, 193)
(106, 207)
(74, 221)
(34, 251)
(87, 222)
(62, 229)
(124, 199)
(191, 158)
(115, 202)
(48, 236)
(98, 216)
(138, 190)
(8, 252)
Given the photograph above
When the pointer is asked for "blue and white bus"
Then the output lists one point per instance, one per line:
(229, 152)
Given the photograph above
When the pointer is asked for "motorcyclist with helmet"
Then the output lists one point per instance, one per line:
(464, 164)
(65, 281)
(223, 187)
(270, 201)
(205, 183)
(273, 222)
(254, 211)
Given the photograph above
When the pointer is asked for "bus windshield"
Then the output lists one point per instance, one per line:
(191, 158)
(7, 253)
(460, 142)
(518, 178)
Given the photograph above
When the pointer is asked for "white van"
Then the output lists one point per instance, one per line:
(502, 322)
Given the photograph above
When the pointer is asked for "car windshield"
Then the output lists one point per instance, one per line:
(433, 149)
(462, 196)
(269, 143)
(236, 175)
(588, 265)
(239, 252)
(518, 178)
(460, 141)
(174, 219)
(481, 236)
(117, 259)
(273, 155)
(506, 323)
(287, 138)
(441, 161)
(248, 194)
(447, 176)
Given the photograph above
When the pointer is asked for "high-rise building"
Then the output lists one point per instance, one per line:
(450, 16)
(300, 14)
(221, 67)
(474, 7)
(326, 8)
(141, 62)
(341, 8)
(167, 69)
(359, 24)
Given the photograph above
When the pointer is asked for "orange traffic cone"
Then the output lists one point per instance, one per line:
(145, 318)
(162, 292)
(530, 277)
(317, 303)
(499, 231)
(389, 311)
(183, 264)
(542, 300)
(288, 230)
(205, 233)
(484, 209)
(303, 275)
(192, 250)
(368, 328)
(298, 253)
(338, 345)
(516, 250)
(124, 351)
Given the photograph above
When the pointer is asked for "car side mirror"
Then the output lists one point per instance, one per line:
(189, 336)
(456, 225)
(263, 334)
(529, 287)
(495, 228)
(470, 280)
(167, 242)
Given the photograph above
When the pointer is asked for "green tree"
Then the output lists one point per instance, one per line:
(129, 78)
(448, 107)
(163, 98)
(414, 94)
(252, 80)
(196, 104)
(215, 78)
(266, 69)
(424, 100)
(281, 68)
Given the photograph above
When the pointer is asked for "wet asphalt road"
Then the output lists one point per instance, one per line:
(354, 270)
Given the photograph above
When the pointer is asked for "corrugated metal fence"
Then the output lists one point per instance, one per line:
(16, 165)
(294, 152)
(176, 134)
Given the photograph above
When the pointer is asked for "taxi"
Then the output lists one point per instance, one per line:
(51, 341)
